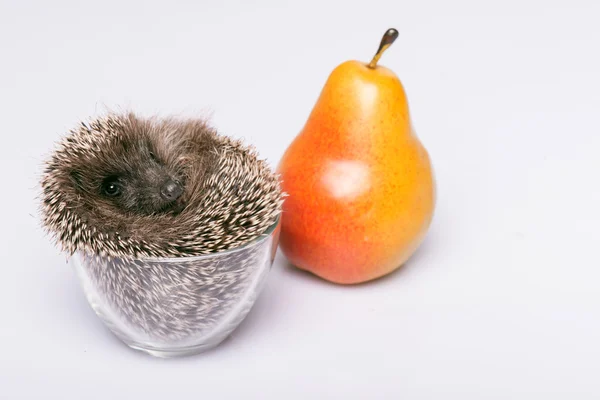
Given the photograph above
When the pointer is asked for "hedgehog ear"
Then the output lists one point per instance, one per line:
(76, 178)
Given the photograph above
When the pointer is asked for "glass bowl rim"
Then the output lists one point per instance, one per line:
(262, 237)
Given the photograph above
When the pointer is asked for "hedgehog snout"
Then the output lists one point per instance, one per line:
(171, 190)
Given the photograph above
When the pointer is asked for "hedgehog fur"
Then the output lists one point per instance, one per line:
(229, 196)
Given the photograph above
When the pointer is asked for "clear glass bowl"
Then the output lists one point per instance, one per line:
(170, 307)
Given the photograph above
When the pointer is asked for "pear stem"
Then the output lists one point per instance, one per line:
(386, 41)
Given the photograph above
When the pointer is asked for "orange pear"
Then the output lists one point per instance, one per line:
(360, 184)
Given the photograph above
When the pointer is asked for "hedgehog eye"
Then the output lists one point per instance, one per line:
(111, 188)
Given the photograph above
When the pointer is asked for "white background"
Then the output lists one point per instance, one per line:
(502, 300)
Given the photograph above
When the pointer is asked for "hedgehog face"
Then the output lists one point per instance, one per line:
(147, 191)
(130, 177)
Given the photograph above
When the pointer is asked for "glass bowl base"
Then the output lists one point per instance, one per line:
(174, 353)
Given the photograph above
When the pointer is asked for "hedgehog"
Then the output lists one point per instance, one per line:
(125, 192)
(124, 186)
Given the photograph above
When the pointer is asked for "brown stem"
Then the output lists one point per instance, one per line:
(386, 41)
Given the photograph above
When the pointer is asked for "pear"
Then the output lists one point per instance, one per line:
(360, 184)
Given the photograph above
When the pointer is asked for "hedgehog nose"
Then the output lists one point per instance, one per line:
(171, 190)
